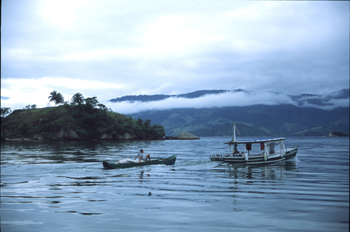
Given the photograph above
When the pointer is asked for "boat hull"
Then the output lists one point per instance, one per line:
(255, 159)
(168, 161)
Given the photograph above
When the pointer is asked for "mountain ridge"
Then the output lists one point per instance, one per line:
(257, 120)
(301, 99)
(158, 97)
(303, 115)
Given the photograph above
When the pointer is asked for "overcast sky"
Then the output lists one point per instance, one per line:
(108, 48)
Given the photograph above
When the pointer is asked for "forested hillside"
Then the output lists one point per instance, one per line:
(294, 115)
(259, 120)
(81, 119)
(159, 97)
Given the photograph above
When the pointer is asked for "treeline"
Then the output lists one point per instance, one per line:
(256, 120)
(88, 118)
(159, 97)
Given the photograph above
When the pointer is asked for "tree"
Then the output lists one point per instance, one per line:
(5, 111)
(91, 101)
(157, 132)
(77, 99)
(56, 97)
(102, 107)
(28, 107)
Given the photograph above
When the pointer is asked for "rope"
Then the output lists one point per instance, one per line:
(237, 130)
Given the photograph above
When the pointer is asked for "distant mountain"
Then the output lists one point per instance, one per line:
(307, 99)
(257, 120)
(158, 97)
(319, 100)
(308, 115)
(341, 94)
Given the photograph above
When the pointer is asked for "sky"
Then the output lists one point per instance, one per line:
(108, 49)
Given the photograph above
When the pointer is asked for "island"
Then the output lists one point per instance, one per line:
(183, 136)
(337, 134)
(82, 119)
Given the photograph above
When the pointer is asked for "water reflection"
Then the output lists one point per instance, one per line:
(45, 158)
(195, 189)
(76, 212)
(79, 181)
(268, 171)
(142, 175)
(58, 152)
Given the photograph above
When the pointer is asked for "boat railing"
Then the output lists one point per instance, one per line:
(243, 154)
(265, 152)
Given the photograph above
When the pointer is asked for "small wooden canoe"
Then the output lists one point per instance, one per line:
(168, 161)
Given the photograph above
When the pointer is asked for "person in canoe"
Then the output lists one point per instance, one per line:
(142, 157)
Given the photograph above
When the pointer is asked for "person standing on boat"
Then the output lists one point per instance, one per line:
(141, 157)
(235, 150)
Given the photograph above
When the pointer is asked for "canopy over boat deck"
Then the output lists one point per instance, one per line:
(255, 141)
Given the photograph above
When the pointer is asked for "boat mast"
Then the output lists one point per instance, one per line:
(234, 132)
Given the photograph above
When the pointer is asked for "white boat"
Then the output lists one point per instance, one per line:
(257, 151)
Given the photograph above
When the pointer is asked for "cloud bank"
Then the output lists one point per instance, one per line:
(227, 99)
(113, 48)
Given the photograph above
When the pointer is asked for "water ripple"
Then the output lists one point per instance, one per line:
(65, 182)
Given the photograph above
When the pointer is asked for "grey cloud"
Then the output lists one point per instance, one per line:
(173, 47)
(237, 98)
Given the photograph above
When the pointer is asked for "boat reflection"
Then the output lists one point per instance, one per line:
(144, 175)
(276, 171)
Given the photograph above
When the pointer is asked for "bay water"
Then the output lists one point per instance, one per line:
(62, 186)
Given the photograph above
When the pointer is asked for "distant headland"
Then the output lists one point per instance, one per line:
(337, 134)
(81, 119)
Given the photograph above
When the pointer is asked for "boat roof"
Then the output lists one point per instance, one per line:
(255, 141)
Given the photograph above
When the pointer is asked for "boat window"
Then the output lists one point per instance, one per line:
(272, 147)
(249, 146)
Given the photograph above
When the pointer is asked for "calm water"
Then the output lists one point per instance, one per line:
(61, 186)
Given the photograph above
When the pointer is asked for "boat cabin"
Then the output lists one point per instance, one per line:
(265, 147)
(258, 151)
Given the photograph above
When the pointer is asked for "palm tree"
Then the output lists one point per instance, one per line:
(77, 99)
(5, 111)
(56, 97)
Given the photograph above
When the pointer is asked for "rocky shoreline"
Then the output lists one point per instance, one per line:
(62, 136)
(337, 134)
(183, 136)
